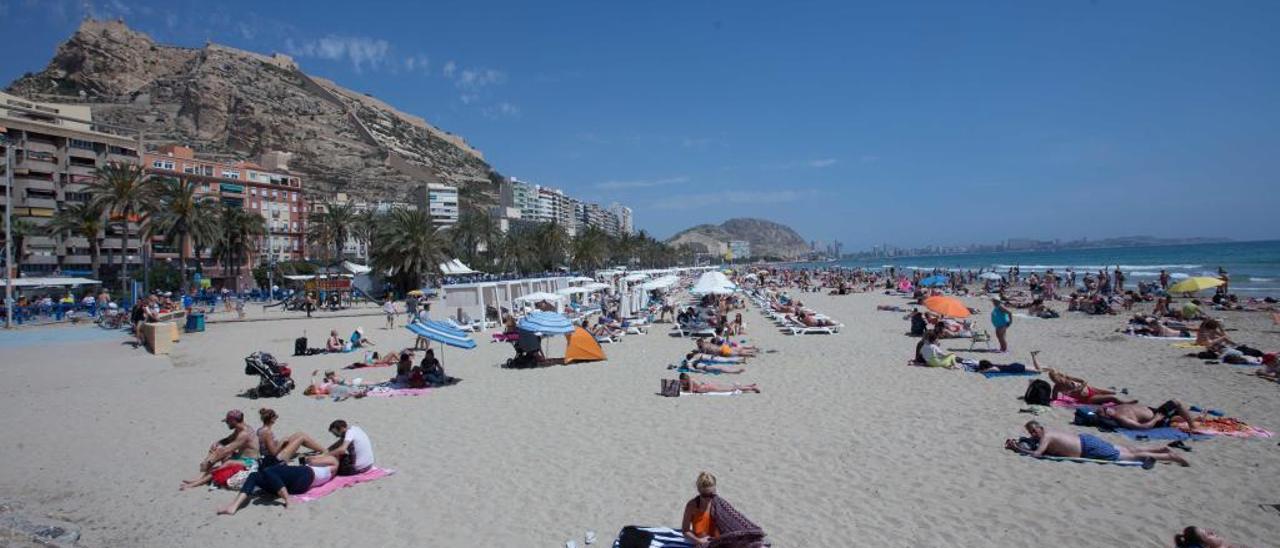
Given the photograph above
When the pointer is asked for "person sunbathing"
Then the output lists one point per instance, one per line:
(933, 355)
(1055, 443)
(809, 319)
(333, 385)
(724, 349)
(689, 384)
(335, 343)
(694, 361)
(1076, 388)
(1199, 537)
(1141, 417)
(280, 481)
(702, 357)
(1212, 336)
(269, 447)
(985, 366)
(236, 446)
(1270, 367)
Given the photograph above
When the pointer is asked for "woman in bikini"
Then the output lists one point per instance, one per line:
(269, 446)
(697, 525)
(688, 384)
(1075, 388)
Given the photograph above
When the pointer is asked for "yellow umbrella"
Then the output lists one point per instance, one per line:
(947, 306)
(1192, 285)
(415, 293)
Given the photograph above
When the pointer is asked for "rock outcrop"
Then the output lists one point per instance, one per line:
(222, 100)
(767, 238)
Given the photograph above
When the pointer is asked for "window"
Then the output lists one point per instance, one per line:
(157, 164)
(295, 226)
(189, 169)
(253, 191)
(208, 171)
(293, 196)
(273, 194)
(122, 151)
(81, 144)
(229, 174)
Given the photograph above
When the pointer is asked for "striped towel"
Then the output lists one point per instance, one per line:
(632, 536)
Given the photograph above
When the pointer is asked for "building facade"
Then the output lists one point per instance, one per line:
(739, 249)
(56, 151)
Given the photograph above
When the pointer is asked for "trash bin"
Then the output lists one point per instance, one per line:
(195, 323)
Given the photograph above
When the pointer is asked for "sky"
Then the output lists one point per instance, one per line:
(908, 123)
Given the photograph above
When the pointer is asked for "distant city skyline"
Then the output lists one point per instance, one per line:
(922, 123)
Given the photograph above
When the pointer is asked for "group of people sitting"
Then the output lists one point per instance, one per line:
(429, 373)
(336, 344)
(258, 462)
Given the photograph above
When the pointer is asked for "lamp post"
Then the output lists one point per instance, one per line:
(8, 231)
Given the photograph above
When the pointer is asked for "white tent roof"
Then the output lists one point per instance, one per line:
(580, 279)
(455, 268)
(356, 268)
(635, 277)
(539, 296)
(572, 290)
(660, 283)
(713, 282)
(49, 282)
(597, 286)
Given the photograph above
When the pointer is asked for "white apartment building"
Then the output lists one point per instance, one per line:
(442, 204)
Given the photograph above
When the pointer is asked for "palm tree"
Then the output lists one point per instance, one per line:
(362, 230)
(552, 242)
(408, 246)
(475, 233)
(83, 220)
(590, 249)
(128, 194)
(479, 197)
(333, 227)
(184, 217)
(21, 229)
(239, 231)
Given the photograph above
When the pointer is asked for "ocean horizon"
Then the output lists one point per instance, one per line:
(1254, 266)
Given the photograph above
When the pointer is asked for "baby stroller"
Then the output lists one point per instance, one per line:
(528, 351)
(274, 378)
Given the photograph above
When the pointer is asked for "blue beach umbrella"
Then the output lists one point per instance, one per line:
(934, 280)
(442, 333)
(545, 323)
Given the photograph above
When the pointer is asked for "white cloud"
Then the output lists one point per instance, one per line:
(824, 162)
(362, 52)
(642, 183)
(449, 69)
(468, 98)
(418, 63)
(476, 78)
(733, 197)
(502, 110)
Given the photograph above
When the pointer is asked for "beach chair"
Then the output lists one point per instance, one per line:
(980, 337)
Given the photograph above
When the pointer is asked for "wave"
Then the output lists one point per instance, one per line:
(1094, 267)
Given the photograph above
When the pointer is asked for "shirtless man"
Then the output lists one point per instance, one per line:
(239, 444)
(1055, 443)
(1141, 417)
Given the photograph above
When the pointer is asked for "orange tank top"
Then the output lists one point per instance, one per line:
(703, 526)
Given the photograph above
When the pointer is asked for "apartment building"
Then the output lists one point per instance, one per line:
(273, 193)
(626, 225)
(56, 151)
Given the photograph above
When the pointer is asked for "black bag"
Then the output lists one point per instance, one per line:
(1089, 417)
(1039, 392)
(300, 346)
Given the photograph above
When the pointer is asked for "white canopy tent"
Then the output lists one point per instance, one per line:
(456, 268)
(540, 296)
(713, 283)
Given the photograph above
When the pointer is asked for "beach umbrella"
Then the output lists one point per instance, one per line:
(934, 280)
(545, 323)
(1192, 285)
(442, 333)
(713, 283)
(990, 276)
(947, 306)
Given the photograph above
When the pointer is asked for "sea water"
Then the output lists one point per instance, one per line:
(1254, 267)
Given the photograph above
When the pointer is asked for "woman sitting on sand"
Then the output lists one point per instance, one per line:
(688, 384)
(281, 481)
(933, 354)
(1199, 537)
(697, 525)
(1075, 388)
(335, 343)
(433, 372)
(1212, 336)
(269, 446)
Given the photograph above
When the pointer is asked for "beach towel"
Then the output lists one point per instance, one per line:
(1166, 433)
(736, 531)
(338, 482)
(1067, 402)
(1187, 345)
(995, 374)
(686, 369)
(1095, 461)
(387, 392)
(1224, 426)
(733, 393)
(367, 365)
(1154, 338)
(632, 536)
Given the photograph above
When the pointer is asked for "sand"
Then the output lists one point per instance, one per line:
(847, 446)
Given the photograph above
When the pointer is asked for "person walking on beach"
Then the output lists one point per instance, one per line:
(1164, 279)
(1001, 319)
(1119, 280)
(1226, 281)
(389, 307)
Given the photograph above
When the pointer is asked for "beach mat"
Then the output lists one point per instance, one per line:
(339, 482)
(1167, 433)
(997, 374)
(733, 393)
(683, 369)
(1151, 338)
(397, 392)
(1094, 461)
(1229, 427)
(633, 536)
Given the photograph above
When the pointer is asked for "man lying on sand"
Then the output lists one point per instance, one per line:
(238, 445)
(1055, 443)
(688, 384)
(1141, 417)
(723, 349)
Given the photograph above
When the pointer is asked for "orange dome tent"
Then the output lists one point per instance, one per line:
(582, 347)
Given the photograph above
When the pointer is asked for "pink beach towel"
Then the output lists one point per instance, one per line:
(397, 392)
(344, 481)
(1069, 402)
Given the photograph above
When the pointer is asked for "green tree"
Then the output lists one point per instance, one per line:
(332, 228)
(81, 220)
(238, 232)
(128, 194)
(184, 217)
(474, 236)
(408, 246)
(590, 249)
(22, 229)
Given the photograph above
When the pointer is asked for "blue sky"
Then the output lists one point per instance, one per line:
(899, 122)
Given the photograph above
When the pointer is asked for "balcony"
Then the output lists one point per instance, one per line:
(48, 203)
(34, 145)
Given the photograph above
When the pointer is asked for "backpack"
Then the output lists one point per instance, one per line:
(1089, 417)
(671, 388)
(1039, 392)
(300, 346)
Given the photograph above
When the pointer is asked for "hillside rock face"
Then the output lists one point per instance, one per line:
(222, 100)
(767, 238)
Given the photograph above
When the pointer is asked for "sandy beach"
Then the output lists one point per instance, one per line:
(847, 446)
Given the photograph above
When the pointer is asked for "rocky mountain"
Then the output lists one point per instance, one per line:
(767, 238)
(222, 100)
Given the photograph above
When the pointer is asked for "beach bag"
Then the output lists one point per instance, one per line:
(224, 473)
(300, 346)
(1089, 417)
(671, 388)
(1038, 392)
